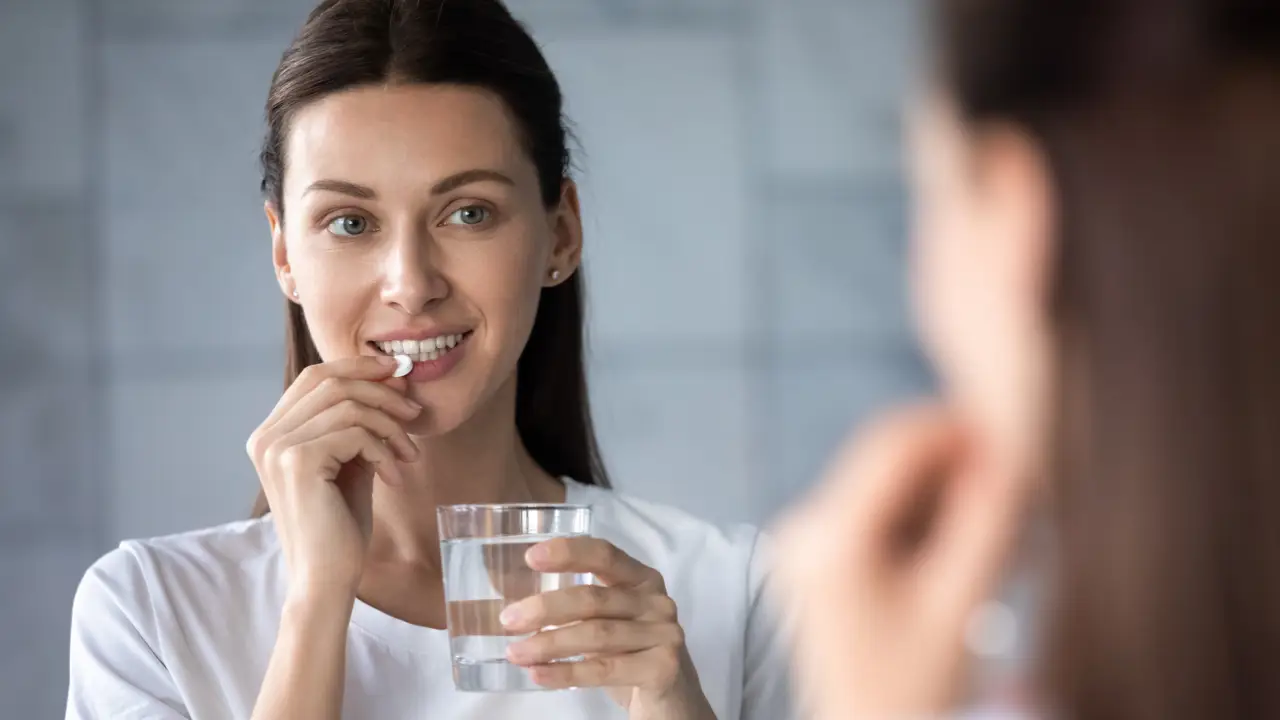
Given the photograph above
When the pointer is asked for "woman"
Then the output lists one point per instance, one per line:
(1098, 242)
(417, 192)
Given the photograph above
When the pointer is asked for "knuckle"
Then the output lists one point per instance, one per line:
(349, 411)
(330, 385)
(312, 374)
(594, 599)
(665, 607)
(253, 446)
(602, 633)
(610, 555)
(289, 458)
(659, 582)
(271, 455)
(604, 668)
(540, 645)
(677, 636)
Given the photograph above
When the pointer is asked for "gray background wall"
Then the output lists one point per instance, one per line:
(745, 249)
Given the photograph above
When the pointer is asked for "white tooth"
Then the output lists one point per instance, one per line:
(441, 341)
(411, 347)
(395, 347)
(383, 347)
(452, 340)
(434, 354)
(422, 356)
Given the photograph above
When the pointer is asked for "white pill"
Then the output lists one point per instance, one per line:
(404, 365)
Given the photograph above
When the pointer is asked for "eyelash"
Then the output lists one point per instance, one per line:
(331, 218)
(491, 218)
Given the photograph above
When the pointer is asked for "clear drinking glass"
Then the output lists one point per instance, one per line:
(482, 548)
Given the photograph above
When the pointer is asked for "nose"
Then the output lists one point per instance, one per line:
(412, 281)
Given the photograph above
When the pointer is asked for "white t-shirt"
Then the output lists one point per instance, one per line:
(183, 627)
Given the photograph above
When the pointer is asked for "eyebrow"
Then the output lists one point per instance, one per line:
(453, 182)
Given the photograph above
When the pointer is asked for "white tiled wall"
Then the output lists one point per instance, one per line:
(742, 190)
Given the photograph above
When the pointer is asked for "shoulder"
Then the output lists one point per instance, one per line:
(675, 541)
(140, 575)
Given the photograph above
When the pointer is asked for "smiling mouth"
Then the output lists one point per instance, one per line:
(422, 350)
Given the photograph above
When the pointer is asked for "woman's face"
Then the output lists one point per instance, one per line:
(414, 224)
(982, 229)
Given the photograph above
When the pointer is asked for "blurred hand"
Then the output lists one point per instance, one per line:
(316, 455)
(627, 630)
(886, 563)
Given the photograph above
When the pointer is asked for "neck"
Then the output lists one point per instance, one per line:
(482, 461)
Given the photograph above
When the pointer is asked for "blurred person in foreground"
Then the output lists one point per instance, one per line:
(1097, 275)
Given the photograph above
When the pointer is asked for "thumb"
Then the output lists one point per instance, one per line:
(983, 515)
(399, 384)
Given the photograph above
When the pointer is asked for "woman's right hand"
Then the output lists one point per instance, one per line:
(316, 455)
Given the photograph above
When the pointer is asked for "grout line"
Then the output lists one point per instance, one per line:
(760, 305)
(101, 370)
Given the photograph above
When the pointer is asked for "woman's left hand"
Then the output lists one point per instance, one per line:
(626, 629)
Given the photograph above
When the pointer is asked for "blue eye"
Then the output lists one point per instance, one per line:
(470, 215)
(348, 226)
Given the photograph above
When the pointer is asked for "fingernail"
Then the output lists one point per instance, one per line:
(537, 554)
(417, 407)
(510, 615)
(386, 360)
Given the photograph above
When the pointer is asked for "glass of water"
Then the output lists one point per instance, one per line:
(482, 549)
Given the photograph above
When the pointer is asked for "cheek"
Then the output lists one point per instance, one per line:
(334, 288)
(502, 281)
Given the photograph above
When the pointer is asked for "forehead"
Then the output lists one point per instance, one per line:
(409, 135)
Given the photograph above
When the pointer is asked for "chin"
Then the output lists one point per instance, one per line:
(439, 416)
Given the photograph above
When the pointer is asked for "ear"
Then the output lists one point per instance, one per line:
(280, 253)
(566, 229)
(1019, 208)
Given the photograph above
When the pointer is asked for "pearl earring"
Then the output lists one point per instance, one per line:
(555, 275)
(295, 294)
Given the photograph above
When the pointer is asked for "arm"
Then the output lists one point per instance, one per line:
(308, 666)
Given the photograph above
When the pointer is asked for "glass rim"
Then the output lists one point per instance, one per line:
(513, 506)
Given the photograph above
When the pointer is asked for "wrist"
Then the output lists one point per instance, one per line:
(320, 601)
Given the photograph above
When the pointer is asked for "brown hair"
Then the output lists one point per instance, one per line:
(1161, 122)
(351, 43)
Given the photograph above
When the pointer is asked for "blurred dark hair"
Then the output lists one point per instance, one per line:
(350, 43)
(1161, 122)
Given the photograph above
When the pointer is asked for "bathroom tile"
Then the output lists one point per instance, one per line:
(677, 433)
(187, 251)
(43, 130)
(664, 184)
(816, 402)
(833, 77)
(37, 584)
(178, 451)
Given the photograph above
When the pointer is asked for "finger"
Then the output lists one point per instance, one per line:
(655, 668)
(333, 391)
(878, 494)
(591, 637)
(370, 368)
(560, 607)
(328, 453)
(349, 413)
(593, 555)
(980, 525)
